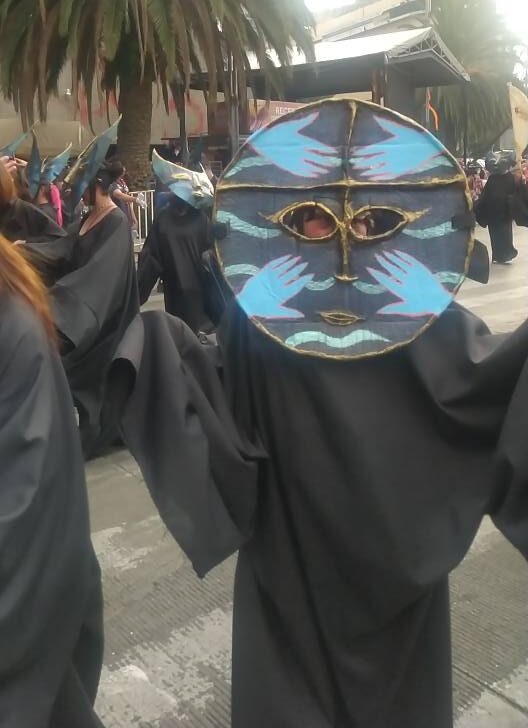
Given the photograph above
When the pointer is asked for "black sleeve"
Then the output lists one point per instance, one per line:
(478, 384)
(509, 508)
(39, 227)
(149, 265)
(177, 424)
(83, 299)
(481, 208)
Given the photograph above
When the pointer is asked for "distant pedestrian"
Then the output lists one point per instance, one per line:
(476, 183)
(120, 194)
(178, 237)
(494, 206)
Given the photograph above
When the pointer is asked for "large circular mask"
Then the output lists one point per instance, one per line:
(342, 237)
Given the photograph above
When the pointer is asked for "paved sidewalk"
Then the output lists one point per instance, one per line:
(168, 634)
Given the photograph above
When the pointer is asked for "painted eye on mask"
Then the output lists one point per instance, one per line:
(373, 224)
(309, 221)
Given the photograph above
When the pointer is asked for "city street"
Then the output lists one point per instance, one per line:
(168, 634)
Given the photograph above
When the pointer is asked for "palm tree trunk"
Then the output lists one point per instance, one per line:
(133, 146)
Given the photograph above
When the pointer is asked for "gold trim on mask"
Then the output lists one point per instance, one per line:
(347, 184)
(407, 217)
(278, 219)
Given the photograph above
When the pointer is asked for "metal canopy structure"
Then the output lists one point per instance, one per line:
(347, 66)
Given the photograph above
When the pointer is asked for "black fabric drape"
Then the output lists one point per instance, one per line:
(50, 588)
(93, 303)
(173, 252)
(175, 420)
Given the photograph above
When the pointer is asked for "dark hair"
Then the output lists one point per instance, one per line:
(108, 173)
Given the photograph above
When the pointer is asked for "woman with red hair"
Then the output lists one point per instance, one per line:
(50, 589)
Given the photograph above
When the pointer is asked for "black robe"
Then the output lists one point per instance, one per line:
(71, 215)
(494, 211)
(93, 303)
(20, 220)
(173, 252)
(48, 209)
(379, 472)
(50, 588)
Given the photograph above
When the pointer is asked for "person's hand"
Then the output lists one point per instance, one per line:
(141, 201)
(419, 291)
(10, 164)
(265, 294)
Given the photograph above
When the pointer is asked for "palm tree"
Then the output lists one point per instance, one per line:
(475, 114)
(126, 46)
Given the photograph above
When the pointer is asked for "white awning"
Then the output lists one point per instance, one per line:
(347, 65)
(397, 45)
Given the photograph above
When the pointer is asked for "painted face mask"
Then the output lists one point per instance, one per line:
(343, 235)
(194, 188)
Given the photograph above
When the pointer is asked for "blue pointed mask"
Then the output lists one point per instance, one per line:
(89, 161)
(11, 149)
(54, 167)
(343, 240)
(34, 168)
(194, 188)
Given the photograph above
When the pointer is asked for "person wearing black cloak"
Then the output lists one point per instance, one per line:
(384, 421)
(178, 237)
(51, 629)
(41, 177)
(94, 297)
(494, 208)
(21, 220)
(93, 303)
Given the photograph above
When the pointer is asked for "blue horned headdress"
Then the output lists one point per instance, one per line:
(350, 229)
(85, 169)
(11, 149)
(194, 188)
(55, 166)
(44, 171)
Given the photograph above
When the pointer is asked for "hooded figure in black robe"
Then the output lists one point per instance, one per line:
(392, 420)
(95, 297)
(41, 175)
(177, 239)
(93, 303)
(494, 208)
(50, 587)
(21, 220)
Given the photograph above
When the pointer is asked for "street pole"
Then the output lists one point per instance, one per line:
(466, 125)
(234, 115)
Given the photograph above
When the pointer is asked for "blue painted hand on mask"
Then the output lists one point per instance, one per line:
(285, 147)
(419, 291)
(406, 151)
(264, 295)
